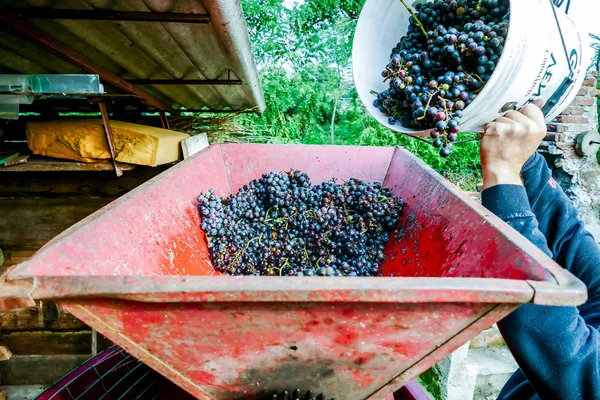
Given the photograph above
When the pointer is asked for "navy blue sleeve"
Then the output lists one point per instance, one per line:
(571, 245)
(556, 349)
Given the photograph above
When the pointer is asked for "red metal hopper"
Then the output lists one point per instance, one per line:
(138, 272)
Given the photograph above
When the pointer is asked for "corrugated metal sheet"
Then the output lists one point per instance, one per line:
(149, 50)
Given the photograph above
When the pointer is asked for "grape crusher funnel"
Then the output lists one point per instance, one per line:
(138, 272)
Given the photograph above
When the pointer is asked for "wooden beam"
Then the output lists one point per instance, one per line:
(111, 15)
(42, 39)
(5, 353)
(184, 82)
(110, 140)
(43, 370)
(164, 120)
(37, 164)
(75, 184)
(28, 224)
(46, 343)
(94, 342)
(47, 316)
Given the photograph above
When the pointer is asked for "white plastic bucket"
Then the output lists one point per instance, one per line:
(584, 14)
(534, 64)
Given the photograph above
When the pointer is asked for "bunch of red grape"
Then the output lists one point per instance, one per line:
(450, 51)
(282, 225)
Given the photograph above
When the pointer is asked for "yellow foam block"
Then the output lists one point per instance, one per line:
(84, 140)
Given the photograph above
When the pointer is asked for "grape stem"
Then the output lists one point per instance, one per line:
(419, 138)
(480, 80)
(286, 264)
(428, 104)
(447, 117)
(419, 24)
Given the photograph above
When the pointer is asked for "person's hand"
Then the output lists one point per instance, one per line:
(507, 144)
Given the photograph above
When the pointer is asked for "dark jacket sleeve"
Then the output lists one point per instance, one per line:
(571, 245)
(557, 349)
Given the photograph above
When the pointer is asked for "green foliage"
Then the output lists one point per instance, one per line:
(304, 56)
(430, 381)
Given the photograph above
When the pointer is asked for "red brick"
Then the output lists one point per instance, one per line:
(583, 101)
(568, 149)
(565, 119)
(582, 92)
(555, 137)
(577, 128)
(556, 128)
(591, 82)
(573, 111)
(593, 73)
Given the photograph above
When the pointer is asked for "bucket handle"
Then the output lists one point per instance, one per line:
(557, 95)
(568, 81)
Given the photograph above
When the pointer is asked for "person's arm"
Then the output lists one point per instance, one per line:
(572, 246)
(555, 348)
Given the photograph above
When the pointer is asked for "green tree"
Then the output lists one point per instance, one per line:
(304, 54)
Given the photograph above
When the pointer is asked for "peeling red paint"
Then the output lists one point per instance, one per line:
(346, 339)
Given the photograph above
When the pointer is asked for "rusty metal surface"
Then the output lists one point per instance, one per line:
(493, 315)
(192, 289)
(445, 230)
(150, 50)
(550, 294)
(138, 272)
(246, 350)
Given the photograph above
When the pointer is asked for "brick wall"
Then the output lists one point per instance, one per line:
(578, 176)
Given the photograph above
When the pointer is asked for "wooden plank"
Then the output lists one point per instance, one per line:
(28, 224)
(47, 343)
(75, 184)
(5, 353)
(42, 164)
(47, 316)
(43, 370)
